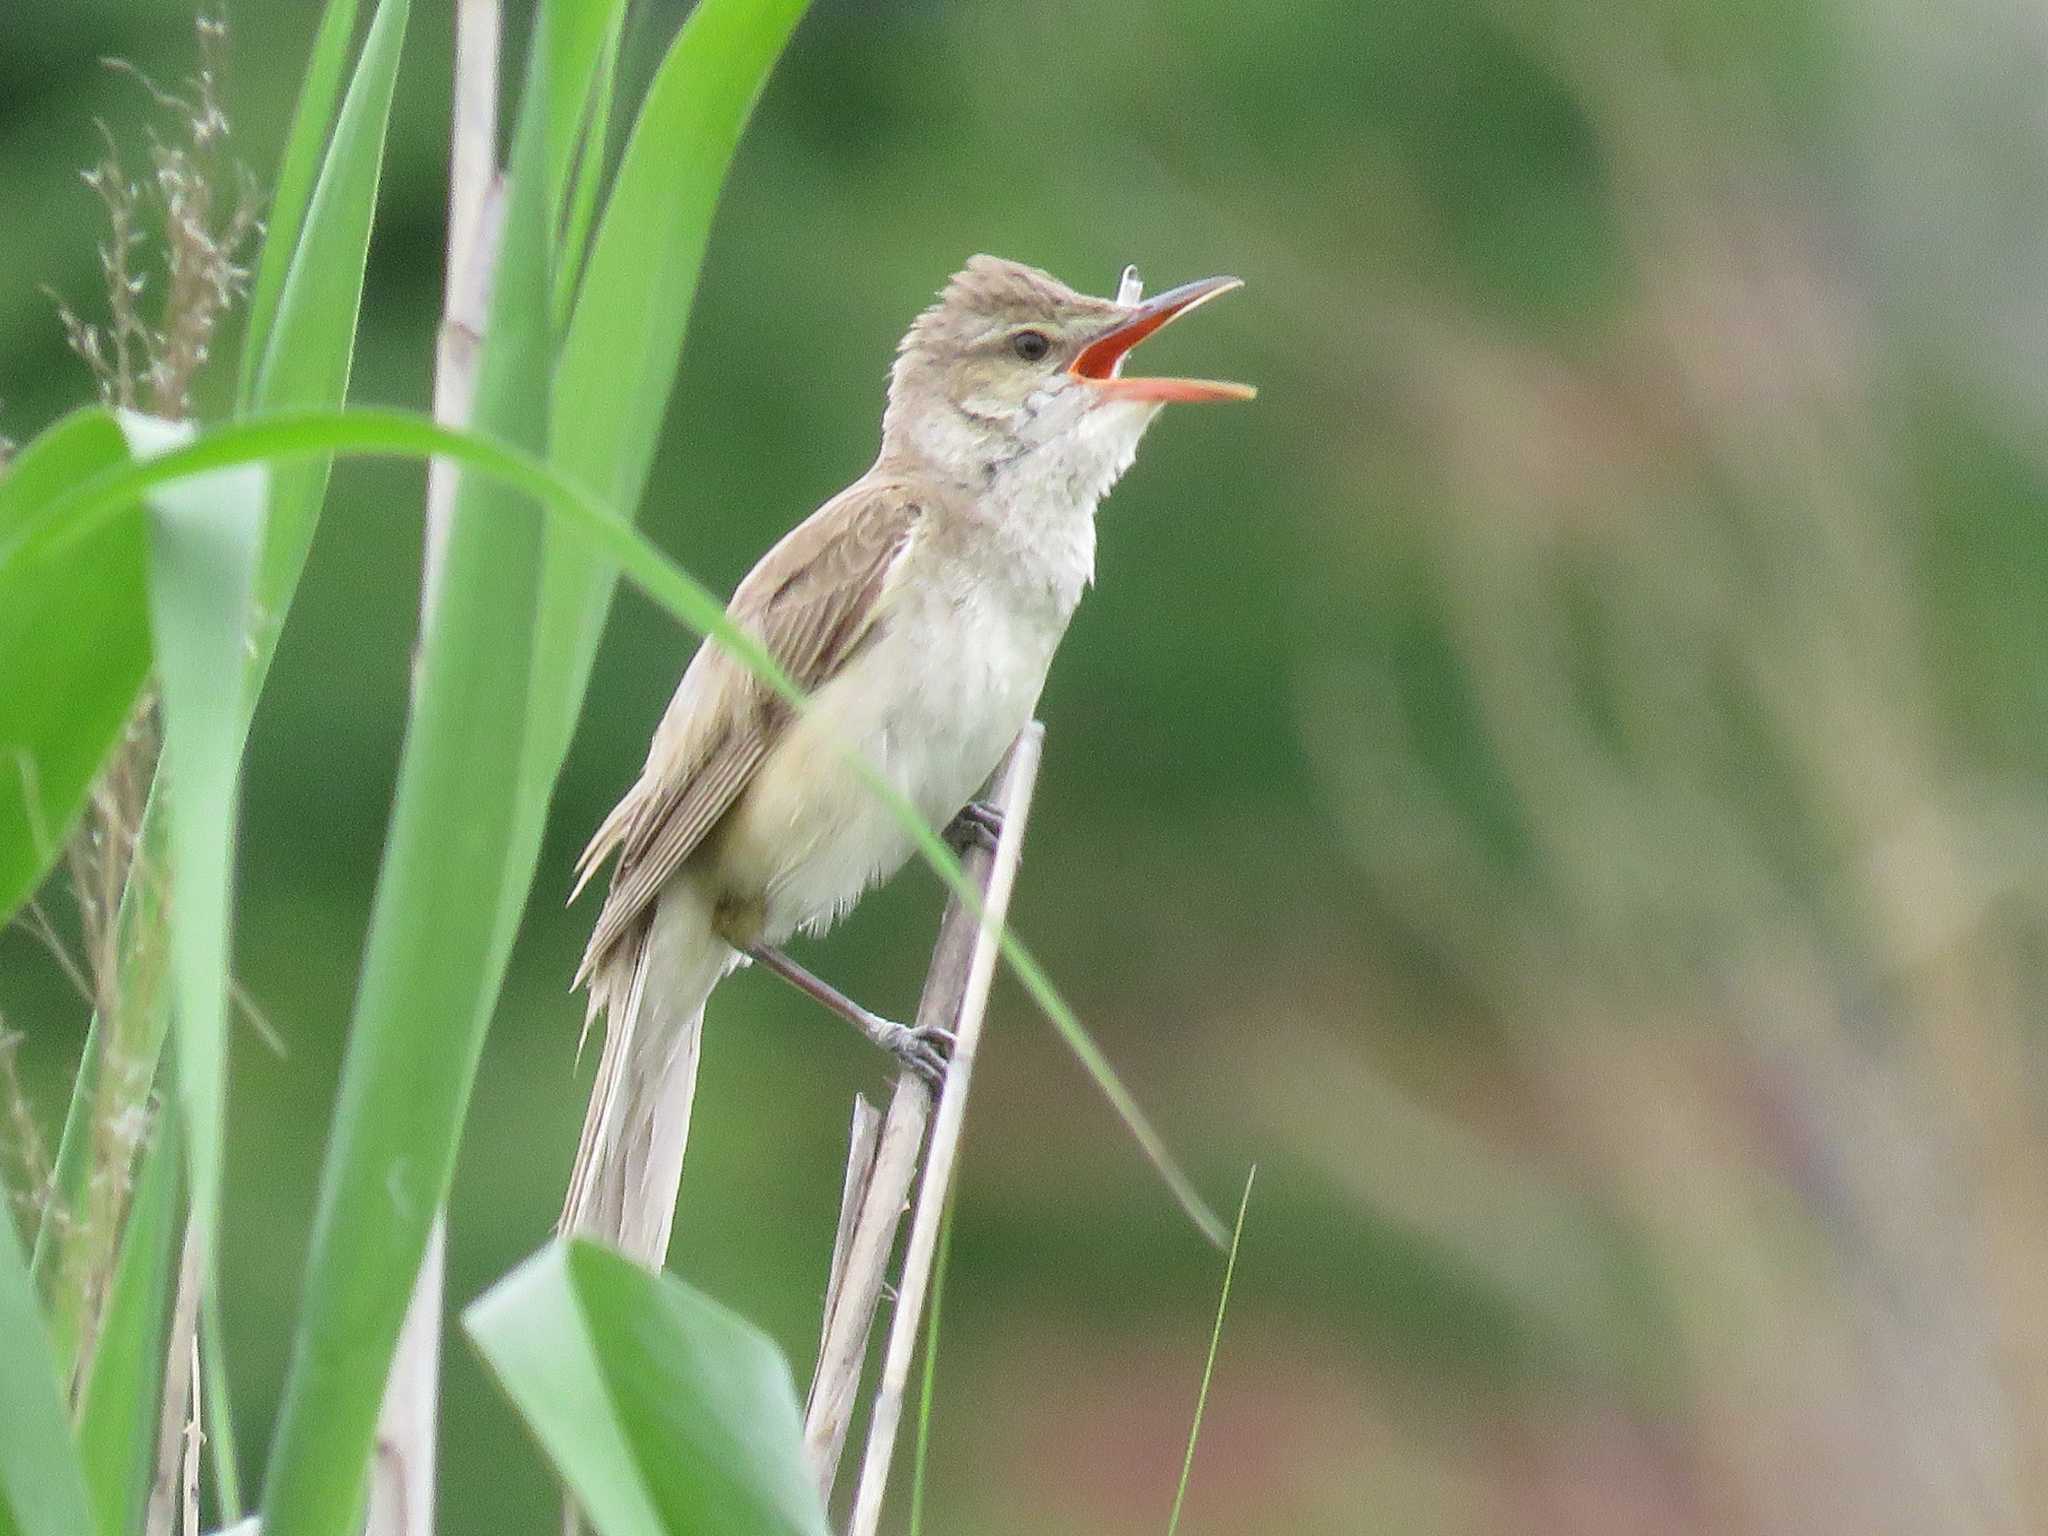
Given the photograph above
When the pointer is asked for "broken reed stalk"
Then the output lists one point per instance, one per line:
(401, 1478)
(873, 1202)
(1019, 778)
(178, 1411)
(879, 1173)
(401, 1474)
(195, 1437)
(955, 996)
(864, 1140)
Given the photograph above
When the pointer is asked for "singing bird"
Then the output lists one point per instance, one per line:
(919, 609)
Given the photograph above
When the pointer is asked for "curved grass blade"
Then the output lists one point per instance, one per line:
(307, 352)
(665, 1413)
(580, 206)
(625, 333)
(585, 48)
(398, 433)
(312, 117)
(42, 1489)
(221, 1454)
(1187, 1464)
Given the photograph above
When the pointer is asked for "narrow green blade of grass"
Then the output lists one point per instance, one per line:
(663, 1412)
(222, 1455)
(78, 513)
(580, 207)
(625, 335)
(626, 331)
(308, 349)
(42, 1489)
(438, 940)
(74, 649)
(584, 35)
(1093, 1062)
(117, 1418)
(1187, 1465)
(305, 148)
(204, 537)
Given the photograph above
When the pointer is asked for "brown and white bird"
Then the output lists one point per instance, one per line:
(919, 608)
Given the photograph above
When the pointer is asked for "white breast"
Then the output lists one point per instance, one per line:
(932, 701)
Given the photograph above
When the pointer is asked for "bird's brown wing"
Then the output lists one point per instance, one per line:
(811, 601)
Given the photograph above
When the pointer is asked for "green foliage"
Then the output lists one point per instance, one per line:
(298, 352)
(74, 648)
(588, 163)
(302, 355)
(583, 41)
(663, 1412)
(42, 1492)
(307, 161)
(439, 935)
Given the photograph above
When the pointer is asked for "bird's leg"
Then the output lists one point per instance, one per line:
(922, 1049)
(977, 825)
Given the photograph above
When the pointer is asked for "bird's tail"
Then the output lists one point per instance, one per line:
(652, 989)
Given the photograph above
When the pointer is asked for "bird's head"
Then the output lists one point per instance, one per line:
(1011, 362)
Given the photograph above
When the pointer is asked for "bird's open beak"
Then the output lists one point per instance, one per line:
(1101, 361)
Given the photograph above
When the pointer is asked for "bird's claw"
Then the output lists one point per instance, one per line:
(924, 1049)
(978, 825)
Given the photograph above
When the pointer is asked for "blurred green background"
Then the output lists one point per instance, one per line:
(1557, 782)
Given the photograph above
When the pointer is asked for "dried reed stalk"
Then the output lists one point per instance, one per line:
(955, 996)
(864, 1140)
(177, 1435)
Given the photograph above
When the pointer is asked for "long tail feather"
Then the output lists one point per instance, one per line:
(629, 1162)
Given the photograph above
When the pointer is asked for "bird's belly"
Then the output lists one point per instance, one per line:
(931, 709)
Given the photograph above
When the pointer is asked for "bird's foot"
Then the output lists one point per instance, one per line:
(978, 825)
(924, 1049)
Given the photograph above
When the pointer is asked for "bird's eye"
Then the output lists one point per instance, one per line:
(1031, 345)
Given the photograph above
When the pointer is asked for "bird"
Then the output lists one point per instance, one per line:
(919, 610)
